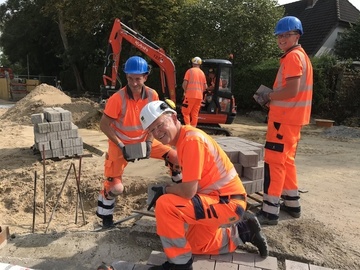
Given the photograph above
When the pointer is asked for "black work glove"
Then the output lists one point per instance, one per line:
(126, 155)
(158, 192)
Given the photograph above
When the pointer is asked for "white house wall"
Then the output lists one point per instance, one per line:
(329, 44)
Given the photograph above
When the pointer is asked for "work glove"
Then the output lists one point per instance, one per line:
(262, 98)
(160, 190)
(125, 155)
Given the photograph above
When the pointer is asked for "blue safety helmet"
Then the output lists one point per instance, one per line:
(136, 65)
(288, 23)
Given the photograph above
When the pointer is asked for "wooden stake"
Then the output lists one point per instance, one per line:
(34, 203)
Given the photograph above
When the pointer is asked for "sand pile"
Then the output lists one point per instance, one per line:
(85, 112)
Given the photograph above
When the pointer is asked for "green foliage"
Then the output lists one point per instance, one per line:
(336, 87)
(214, 29)
(248, 80)
(28, 37)
(347, 47)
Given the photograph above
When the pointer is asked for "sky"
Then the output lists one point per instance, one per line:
(355, 3)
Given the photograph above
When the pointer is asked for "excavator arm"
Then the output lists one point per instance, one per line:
(167, 68)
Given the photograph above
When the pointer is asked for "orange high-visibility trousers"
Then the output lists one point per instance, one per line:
(211, 225)
(190, 110)
(280, 169)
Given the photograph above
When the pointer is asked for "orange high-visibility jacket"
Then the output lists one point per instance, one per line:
(122, 107)
(204, 160)
(293, 111)
(196, 83)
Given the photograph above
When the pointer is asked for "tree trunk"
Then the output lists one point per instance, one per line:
(79, 83)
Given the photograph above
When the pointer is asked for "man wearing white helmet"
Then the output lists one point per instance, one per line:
(194, 85)
(289, 110)
(121, 124)
(210, 201)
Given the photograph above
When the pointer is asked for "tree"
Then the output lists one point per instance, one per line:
(213, 29)
(28, 37)
(347, 47)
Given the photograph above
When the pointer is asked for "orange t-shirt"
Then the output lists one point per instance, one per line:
(196, 83)
(126, 110)
(201, 158)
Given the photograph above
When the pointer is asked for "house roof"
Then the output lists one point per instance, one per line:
(320, 19)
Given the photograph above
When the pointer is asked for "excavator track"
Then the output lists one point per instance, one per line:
(214, 129)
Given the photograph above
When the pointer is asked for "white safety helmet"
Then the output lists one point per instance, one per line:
(196, 60)
(152, 111)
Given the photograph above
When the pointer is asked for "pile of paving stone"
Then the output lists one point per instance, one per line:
(55, 135)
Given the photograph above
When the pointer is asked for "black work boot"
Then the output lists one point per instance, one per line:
(265, 218)
(250, 231)
(107, 221)
(295, 212)
(172, 266)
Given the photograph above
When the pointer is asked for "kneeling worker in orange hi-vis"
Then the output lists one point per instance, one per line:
(210, 200)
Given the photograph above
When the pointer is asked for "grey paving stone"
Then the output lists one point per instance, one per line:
(291, 265)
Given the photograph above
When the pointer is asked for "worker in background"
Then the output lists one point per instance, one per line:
(205, 213)
(121, 124)
(194, 85)
(289, 110)
(211, 80)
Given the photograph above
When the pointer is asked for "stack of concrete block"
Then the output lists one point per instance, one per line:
(55, 134)
(248, 159)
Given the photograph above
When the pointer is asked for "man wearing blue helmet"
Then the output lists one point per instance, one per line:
(121, 124)
(289, 110)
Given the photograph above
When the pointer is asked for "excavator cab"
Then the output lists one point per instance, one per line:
(218, 105)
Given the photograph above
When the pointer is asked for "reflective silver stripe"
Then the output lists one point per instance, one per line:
(104, 211)
(224, 243)
(234, 235)
(291, 104)
(122, 136)
(292, 203)
(171, 242)
(269, 208)
(176, 243)
(225, 177)
(291, 193)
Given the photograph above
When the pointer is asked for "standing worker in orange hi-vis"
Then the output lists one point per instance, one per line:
(194, 85)
(290, 108)
(121, 124)
(205, 213)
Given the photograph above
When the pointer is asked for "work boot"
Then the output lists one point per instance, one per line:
(172, 266)
(250, 231)
(107, 221)
(266, 218)
(295, 212)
